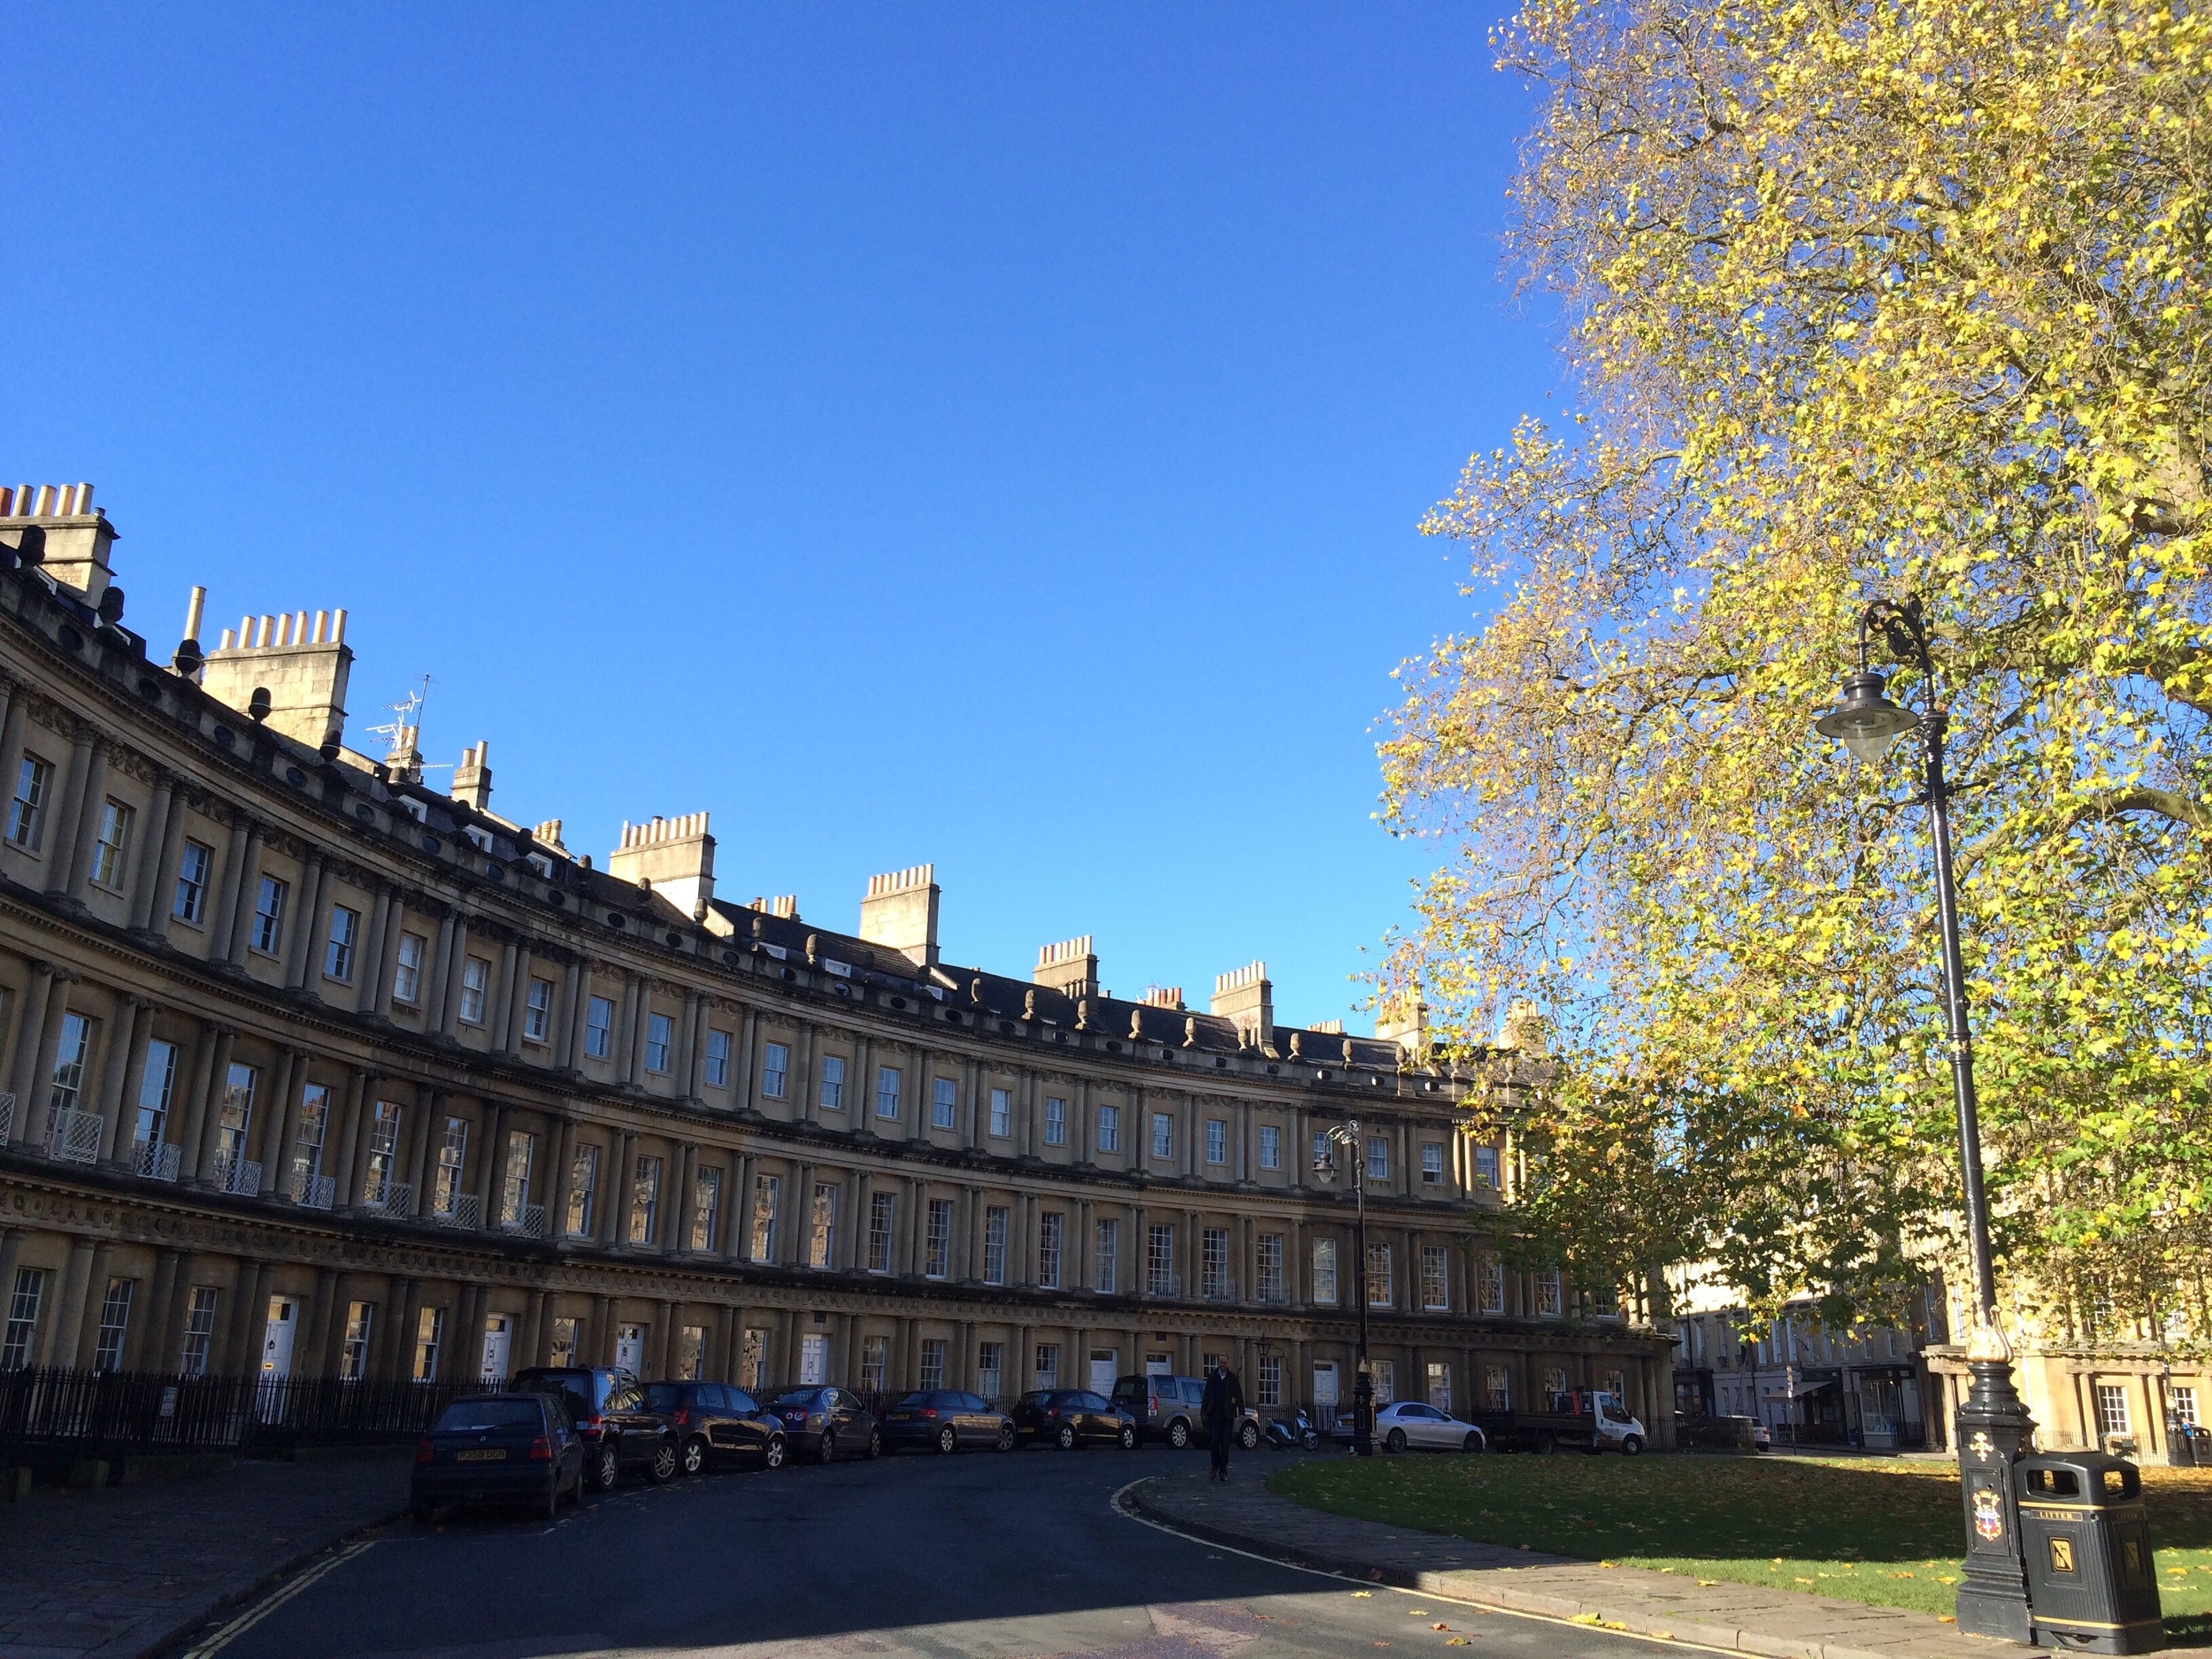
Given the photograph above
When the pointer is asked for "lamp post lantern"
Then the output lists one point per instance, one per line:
(1345, 1134)
(1993, 1427)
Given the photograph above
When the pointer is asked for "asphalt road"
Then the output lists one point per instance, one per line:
(980, 1553)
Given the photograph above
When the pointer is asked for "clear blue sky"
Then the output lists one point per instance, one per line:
(986, 435)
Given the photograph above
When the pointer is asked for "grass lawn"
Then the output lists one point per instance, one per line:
(1877, 1530)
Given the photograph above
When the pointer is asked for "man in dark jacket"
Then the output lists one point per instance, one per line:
(1220, 1406)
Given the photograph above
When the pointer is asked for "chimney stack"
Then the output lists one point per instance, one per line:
(1070, 966)
(1248, 997)
(304, 664)
(675, 854)
(900, 913)
(55, 527)
(473, 778)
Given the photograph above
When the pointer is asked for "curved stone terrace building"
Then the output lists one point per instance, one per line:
(313, 1070)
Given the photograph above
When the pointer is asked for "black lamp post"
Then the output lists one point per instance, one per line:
(1345, 1134)
(1994, 1428)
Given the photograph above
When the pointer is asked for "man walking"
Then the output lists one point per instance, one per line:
(1220, 1406)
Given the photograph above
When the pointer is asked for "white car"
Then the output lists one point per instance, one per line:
(1407, 1425)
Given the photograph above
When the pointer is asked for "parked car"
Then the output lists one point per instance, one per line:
(1409, 1425)
(715, 1420)
(620, 1430)
(1069, 1417)
(1723, 1433)
(499, 1448)
(1170, 1408)
(819, 1423)
(946, 1419)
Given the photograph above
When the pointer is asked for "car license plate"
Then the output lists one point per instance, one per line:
(902, 1416)
(492, 1455)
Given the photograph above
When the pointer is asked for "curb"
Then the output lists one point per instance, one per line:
(179, 1634)
(1690, 1632)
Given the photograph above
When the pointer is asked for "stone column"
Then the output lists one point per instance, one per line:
(24, 1044)
(395, 1361)
(499, 1000)
(179, 1307)
(687, 1057)
(34, 1107)
(456, 964)
(620, 1183)
(518, 1003)
(12, 738)
(563, 1181)
(302, 959)
(279, 1121)
(626, 1057)
(574, 972)
(374, 962)
(599, 1341)
(349, 1138)
(67, 853)
(66, 1329)
(124, 1029)
(205, 1120)
(155, 898)
(233, 949)
(492, 1168)
(114, 1147)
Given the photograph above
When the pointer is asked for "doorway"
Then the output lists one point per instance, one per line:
(629, 1350)
(1105, 1370)
(276, 1358)
(498, 1337)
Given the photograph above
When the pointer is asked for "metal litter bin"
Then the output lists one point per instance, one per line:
(2087, 1544)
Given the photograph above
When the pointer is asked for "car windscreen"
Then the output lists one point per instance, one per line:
(576, 1388)
(800, 1399)
(741, 1402)
(663, 1396)
(465, 1416)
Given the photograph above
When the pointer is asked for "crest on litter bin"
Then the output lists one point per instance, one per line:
(1989, 1514)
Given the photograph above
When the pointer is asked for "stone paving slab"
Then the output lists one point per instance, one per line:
(1740, 1617)
(122, 1573)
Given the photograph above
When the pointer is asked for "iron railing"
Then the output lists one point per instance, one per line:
(396, 1199)
(7, 1115)
(467, 1212)
(174, 1411)
(73, 1136)
(157, 1160)
(528, 1220)
(237, 1175)
(313, 1192)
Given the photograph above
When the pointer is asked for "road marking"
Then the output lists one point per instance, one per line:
(246, 1621)
(1116, 1506)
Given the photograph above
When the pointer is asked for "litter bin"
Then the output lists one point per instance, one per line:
(2087, 1544)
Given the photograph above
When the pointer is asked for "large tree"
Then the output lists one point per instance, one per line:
(1861, 299)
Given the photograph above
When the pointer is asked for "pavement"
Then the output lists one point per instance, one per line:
(1742, 1618)
(126, 1571)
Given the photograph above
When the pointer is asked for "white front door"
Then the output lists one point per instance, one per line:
(498, 1334)
(629, 1350)
(1158, 1365)
(276, 1344)
(1105, 1370)
(813, 1359)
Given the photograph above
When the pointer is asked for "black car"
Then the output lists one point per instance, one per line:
(499, 1448)
(946, 1419)
(820, 1422)
(620, 1430)
(1069, 1417)
(715, 1420)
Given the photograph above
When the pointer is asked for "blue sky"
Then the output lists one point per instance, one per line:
(986, 436)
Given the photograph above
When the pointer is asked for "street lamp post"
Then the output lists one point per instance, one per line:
(1345, 1134)
(1993, 1427)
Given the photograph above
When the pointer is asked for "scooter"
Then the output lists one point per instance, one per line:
(1292, 1435)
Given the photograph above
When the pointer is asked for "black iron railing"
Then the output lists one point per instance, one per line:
(41, 1406)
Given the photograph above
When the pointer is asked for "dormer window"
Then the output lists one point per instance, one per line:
(482, 838)
(416, 810)
(543, 865)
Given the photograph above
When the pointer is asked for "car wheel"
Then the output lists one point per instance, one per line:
(1545, 1445)
(1396, 1441)
(1472, 1443)
(1128, 1438)
(771, 1455)
(948, 1442)
(828, 1453)
(1006, 1437)
(605, 1469)
(664, 1463)
(1066, 1437)
(1249, 1437)
(694, 1455)
(1178, 1434)
(875, 1445)
(1632, 1446)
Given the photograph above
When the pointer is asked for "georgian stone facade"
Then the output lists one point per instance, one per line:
(316, 1069)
